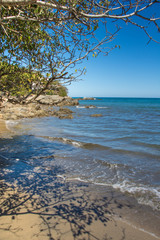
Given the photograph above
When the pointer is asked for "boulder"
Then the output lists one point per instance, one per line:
(67, 101)
(65, 110)
(64, 113)
(68, 116)
(57, 100)
(49, 99)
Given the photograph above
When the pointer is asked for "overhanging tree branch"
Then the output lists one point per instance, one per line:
(79, 12)
(53, 36)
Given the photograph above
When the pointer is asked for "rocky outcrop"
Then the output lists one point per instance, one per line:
(17, 111)
(64, 113)
(43, 106)
(68, 116)
(56, 100)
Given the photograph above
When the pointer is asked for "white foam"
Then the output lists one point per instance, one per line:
(80, 107)
(61, 176)
(127, 187)
(102, 107)
(91, 107)
(86, 106)
(144, 194)
(74, 143)
(11, 123)
(65, 139)
(77, 144)
(77, 179)
(132, 188)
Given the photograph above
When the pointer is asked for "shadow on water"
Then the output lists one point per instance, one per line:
(31, 184)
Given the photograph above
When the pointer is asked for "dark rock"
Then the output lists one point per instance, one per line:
(68, 116)
(65, 110)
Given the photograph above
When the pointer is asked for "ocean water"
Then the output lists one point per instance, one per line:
(120, 149)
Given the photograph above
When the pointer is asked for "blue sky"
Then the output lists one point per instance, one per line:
(131, 71)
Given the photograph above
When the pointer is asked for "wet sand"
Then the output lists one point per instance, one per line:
(79, 211)
(3, 127)
(4, 131)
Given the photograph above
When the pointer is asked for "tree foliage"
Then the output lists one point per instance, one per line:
(83, 12)
(21, 83)
(52, 37)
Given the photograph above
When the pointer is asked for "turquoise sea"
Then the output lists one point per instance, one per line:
(120, 149)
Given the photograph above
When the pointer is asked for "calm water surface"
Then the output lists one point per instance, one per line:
(121, 148)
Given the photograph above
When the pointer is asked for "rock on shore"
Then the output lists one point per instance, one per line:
(42, 106)
(56, 100)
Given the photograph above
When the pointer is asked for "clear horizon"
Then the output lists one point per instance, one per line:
(116, 97)
(131, 71)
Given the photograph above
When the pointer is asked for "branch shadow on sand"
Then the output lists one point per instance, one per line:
(36, 200)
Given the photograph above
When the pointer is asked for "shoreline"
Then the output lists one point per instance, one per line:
(83, 212)
(87, 210)
(4, 130)
(128, 211)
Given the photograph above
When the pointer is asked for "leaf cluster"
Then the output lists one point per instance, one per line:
(18, 81)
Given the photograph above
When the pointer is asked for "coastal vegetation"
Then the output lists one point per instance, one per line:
(22, 83)
(43, 42)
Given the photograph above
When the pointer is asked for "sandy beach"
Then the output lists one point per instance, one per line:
(4, 131)
(3, 127)
(30, 227)
(78, 211)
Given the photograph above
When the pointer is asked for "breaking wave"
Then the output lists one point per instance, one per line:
(91, 107)
(94, 146)
(144, 194)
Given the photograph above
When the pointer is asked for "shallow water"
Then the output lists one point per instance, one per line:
(120, 149)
